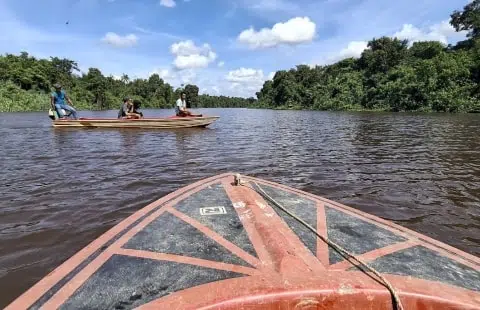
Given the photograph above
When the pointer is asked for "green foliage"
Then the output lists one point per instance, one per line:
(25, 85)
(382, 55)
(13, 99)
(208, 101)
(468, 19)
(390, 75)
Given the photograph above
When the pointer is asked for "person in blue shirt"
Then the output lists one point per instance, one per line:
(57, 100)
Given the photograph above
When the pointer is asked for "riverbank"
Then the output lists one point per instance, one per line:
(15, 99)
(359, 108)
(37, 102)
(26, 82)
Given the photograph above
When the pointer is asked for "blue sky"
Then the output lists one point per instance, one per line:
(224, 46)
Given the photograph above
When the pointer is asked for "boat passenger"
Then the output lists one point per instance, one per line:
(136, 107)
(126, 111)
(124, 108)
(181, 106)
(57, 100)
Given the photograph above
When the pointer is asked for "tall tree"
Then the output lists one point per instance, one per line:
(192, 95)
(468, 19)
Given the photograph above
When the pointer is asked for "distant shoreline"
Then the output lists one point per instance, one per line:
(261, 108)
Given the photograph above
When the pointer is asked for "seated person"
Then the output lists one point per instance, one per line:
(126, 111)
(181, 107)
(136, 107)
(57, 100)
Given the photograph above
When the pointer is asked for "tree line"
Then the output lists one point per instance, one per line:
(390, 75)
(26, 82)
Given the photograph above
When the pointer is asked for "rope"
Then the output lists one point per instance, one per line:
(397, 302)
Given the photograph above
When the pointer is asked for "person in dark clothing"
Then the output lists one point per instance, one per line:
(127, 109)
(136, 107)
(123, 112)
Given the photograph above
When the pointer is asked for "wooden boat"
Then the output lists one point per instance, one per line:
(224, 244)
(166, 122)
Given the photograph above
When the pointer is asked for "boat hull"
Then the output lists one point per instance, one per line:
(217, 245)
(157, 123)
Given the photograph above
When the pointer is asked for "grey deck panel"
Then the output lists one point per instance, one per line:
(356, 235)
(227, 225)
(125, 282)
(423, 263)
(169, 234)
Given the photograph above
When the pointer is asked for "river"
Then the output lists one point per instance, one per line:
(62, 188)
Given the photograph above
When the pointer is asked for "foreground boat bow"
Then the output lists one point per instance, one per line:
(218, 244)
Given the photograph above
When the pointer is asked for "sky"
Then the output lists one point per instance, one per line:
(227, 47)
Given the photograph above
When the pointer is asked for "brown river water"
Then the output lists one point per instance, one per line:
(62, 188)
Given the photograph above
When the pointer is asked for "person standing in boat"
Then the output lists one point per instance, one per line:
(57, 100)
(181, 106)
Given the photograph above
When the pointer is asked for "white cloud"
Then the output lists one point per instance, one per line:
(245, 75)
(172, 77)
(185, 48)
(294, 31)
(187, 76)
(245, 82)
(353, 49)
(189, 56)
(168, 3)
(438, 32)
(120, 41)
(193, 61)
(216, 90)
(164, 74)
(221, 63)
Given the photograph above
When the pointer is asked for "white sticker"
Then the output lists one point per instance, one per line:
(212, 211)
(239, 205)
(261, 205)
(247, 214)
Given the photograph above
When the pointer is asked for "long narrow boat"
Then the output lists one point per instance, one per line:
(245, 243)
(166, 122)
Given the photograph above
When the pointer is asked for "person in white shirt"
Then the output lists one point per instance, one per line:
(181, 106)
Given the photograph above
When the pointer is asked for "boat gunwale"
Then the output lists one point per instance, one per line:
(150, 119)
(342, 284)
(154, 123)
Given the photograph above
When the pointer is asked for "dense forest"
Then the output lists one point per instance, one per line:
(390, 75)
(26, 82)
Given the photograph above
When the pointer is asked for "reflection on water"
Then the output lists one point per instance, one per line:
(63, 187)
